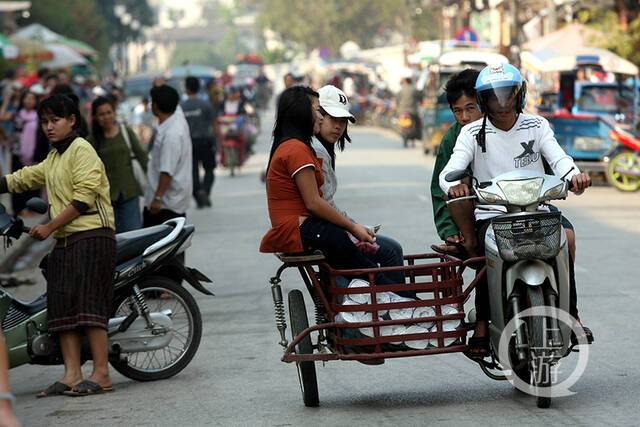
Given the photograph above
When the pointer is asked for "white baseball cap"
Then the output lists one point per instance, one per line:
(335, 102)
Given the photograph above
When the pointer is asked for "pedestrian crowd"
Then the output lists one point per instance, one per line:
(102, 169)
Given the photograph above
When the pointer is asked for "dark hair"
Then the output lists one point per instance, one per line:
(60, 106)
(331, 148)
(97, 132)
(165, 98)
(192, 84)
(462, 83)
(294, 118)
(24, 95)
(67, 90)
(42, 72)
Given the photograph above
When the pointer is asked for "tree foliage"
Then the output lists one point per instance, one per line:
(92, 21)
(78, 19)
(621, 23)
(330, 23)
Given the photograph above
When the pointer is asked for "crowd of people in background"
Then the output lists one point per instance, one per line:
(123, 135)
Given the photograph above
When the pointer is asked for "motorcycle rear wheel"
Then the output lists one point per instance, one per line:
(159, 293)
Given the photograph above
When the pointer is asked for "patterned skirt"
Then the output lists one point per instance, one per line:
(80, 283)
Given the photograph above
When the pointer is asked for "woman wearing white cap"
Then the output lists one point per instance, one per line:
(334, 107)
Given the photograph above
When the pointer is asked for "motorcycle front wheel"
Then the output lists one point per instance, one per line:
(161, 294)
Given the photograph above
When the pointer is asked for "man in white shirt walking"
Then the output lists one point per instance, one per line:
(505, 139)
(170, 160)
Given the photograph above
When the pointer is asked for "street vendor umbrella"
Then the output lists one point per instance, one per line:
(63, 56)
(7, 49)
(40, 33)
(30, 51)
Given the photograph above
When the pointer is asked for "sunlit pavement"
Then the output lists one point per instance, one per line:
(237, 377)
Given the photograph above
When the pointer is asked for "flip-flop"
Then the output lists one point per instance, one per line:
(87, 388)
(55, 389)
(459, 252)
(479, 348)
(588, 335)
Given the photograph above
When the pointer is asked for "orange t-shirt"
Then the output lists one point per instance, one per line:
(284, 200)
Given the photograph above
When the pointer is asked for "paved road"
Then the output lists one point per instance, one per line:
(237, 377)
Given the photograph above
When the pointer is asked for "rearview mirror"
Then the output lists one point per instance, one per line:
(456, 175)
(37, 205)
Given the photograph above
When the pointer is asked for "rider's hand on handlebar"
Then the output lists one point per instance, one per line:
(459, 190)
(40, 232)
(580, 182)
(362, 233)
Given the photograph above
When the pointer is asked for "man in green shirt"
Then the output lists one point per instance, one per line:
(461, 95)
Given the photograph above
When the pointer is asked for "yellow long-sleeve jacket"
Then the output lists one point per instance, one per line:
(75, 173)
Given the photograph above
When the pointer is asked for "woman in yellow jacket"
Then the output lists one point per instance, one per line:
(81, 266)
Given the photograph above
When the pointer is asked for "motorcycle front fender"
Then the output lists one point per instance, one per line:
(531, 272)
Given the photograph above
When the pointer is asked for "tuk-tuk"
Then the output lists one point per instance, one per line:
(593, 106)
(437, 116)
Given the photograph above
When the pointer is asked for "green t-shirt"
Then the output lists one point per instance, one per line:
(116, 156)
(444, 223)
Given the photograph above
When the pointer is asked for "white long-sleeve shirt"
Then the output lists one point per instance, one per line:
(520, 148)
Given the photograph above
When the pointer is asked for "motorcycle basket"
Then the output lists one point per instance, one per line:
(535, 236)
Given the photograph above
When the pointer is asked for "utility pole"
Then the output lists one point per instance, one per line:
(551, 18)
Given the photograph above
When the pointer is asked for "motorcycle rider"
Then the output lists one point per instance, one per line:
(503, 140)
(461, 95)
(408, 101)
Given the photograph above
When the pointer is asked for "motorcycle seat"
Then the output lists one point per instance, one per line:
(133, 243)
(32, 307)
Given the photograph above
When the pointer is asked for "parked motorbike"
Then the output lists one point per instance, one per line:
(233, 141)
(155, 327)
(623, 162)
(527, 266)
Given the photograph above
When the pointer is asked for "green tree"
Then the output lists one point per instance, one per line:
(620, 22)
(78, 19)
(92, 21)
(330, 23)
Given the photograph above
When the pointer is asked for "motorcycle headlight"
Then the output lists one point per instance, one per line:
(522, 192)
(490, 197)
(554, 192)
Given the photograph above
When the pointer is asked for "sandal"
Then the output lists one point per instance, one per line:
(454, 249)
(55, 389)
(478, 347)
(588, 334)
(87, 388)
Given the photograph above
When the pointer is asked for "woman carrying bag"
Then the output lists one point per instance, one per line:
(124, 159)
(81, 266)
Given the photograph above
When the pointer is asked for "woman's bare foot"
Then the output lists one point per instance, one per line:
(101, 379)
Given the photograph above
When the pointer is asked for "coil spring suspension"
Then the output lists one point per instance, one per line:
(278, 305)
(140, 301)
(319, 307)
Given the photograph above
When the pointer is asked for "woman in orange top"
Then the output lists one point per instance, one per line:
(301, 219)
